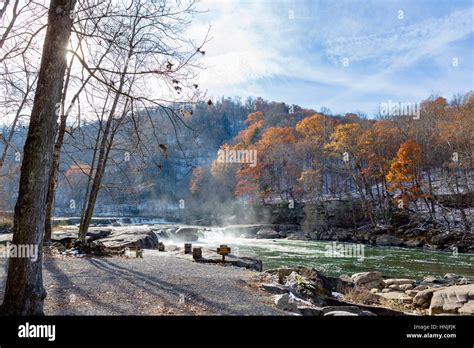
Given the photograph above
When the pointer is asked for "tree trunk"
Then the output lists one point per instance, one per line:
(104, 152)
(24, 293)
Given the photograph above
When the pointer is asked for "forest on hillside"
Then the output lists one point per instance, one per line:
(389, 162)
(397, 162)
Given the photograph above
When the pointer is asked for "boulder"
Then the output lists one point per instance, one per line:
(397, 281)
(405, 287)
(305, 288)
(163, 233)
(286, 303)
(133, 238)
(346, 278)
(388, 240)
(267, 233)
(467, 308)
(400, 287)
(452, 299)
(368, 280)
(96, 234)
(282, 273)
(423, 298)
(187, 234)
(451, 277)
(464, 281)
(431, 280)
(310, 311)
(325, 284)
(274, 288)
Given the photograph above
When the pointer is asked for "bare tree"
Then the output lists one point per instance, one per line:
(21, 25)
(129, 47)
(24, 294)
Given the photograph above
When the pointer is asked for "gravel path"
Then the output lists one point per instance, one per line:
(158, 284)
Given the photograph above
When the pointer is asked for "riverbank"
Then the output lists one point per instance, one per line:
(166, 281)
(172, 283)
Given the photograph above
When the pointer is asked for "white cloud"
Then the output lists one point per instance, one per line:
(405, 45)
(255, 46)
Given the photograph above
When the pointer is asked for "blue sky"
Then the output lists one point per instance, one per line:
(345, 55)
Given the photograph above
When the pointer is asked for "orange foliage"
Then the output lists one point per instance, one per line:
(250, 134)
(316, 128)
(196, 178)
(345, 138)
(378, 145)
(402, 174)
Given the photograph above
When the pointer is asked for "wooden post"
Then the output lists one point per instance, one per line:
(187, 248)
(197, 253)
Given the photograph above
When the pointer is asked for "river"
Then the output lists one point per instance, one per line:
(391, 261)
(329, 258)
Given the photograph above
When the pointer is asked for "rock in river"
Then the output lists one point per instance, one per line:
(267, 233)
(187, 234)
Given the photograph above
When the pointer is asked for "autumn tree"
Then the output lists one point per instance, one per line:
(402, 177)
(346, 145)
(315, 131)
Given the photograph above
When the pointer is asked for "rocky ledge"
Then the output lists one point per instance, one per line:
(304, 291)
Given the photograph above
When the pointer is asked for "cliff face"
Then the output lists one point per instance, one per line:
(316, 216)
